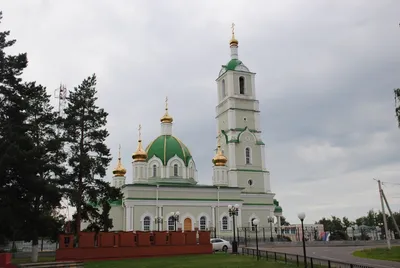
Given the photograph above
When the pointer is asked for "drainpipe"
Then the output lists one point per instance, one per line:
(216, 223)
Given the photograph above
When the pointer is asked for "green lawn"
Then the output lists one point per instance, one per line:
(379, 254)
(191, 261)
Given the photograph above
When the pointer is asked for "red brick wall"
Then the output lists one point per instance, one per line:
(133, 245)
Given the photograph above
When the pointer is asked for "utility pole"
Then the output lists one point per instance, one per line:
(384, 216)
(391, 214)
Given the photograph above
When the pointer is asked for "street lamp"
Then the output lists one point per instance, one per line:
(271, 221)
(158, 220)
(234, 211)
(175, 217)
(256, 222)
(302, 216)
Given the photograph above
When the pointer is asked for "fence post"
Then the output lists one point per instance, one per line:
(297, 260)
(329, 264)
(311, 262)
(266, 254)
(285, 258)
(275, 255)
(245, 237)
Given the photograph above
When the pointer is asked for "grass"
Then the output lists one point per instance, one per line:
(191, 261)
(379, 254)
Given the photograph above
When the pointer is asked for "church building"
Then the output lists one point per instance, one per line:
(163, 192)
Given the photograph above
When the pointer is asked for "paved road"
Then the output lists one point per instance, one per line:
(338, 254)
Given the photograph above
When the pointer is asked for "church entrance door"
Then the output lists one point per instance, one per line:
(187, 224)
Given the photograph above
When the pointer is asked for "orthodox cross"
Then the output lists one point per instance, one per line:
(140, 131)
(233, 29)
(166, 103)
(119, 151)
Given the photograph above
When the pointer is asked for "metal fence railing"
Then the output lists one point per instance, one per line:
(299, 260)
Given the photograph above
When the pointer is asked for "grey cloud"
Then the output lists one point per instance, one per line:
(325, 73)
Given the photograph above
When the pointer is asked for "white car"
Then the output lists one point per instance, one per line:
(220, 244)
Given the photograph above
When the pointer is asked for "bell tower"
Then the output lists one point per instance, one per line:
(238, 119)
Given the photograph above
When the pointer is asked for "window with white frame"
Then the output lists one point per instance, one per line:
(203, 223)
(176, 173)
(241, 85)
(223, 88)
(253, 226)
(248, 155)
(171, 224)
(146, 223)
(224, 223)
(154, 170)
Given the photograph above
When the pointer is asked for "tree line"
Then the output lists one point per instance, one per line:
(46, 158)
(339, 226)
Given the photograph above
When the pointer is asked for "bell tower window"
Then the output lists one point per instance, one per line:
(241, 85)
(223, 88)
(154, 170)
(176, 170)
(248, 156)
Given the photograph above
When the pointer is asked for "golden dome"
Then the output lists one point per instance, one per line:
(119, 171)
(140, 155)
(219, 159)
(166, 117)
(233, 41)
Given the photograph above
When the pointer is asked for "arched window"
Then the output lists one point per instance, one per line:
(241, 85)
(248, 156)
(253, 227)
(146, 223)
(154, 170)
(203, 223)
(176, 170)
(223, 88)
(171, 224)
(225, 223)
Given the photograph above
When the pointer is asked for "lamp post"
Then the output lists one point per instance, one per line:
(175, 216)
(256, 222)
(302, 216)
(234, 211)
(158, 220)
(271, 221)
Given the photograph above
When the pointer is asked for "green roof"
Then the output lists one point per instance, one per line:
(232, 64)
(278, 209)
(167, 146)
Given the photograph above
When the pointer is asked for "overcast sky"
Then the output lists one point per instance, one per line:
(325, 77)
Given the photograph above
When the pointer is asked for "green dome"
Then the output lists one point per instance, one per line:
(278, 209)
(234, 65)
(167, 146)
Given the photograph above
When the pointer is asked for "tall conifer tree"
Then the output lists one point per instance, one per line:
(31, 153)
(85, 131)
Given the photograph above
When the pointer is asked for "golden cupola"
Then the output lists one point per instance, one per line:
(233, 41)
(219, 159)
(119, 171)
(166, 117)
(140, 155)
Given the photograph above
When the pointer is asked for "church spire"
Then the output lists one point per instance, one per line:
(119, 171)
(166, 117)
(219, 159)
(234, 44)
(140, 155)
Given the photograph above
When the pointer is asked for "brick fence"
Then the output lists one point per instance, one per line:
(125, 245)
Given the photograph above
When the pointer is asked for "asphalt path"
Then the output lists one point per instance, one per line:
(337, 254)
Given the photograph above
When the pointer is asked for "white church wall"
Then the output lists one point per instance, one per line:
(117, 215)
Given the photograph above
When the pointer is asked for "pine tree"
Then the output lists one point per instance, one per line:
(31, 153)
(85, 132)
